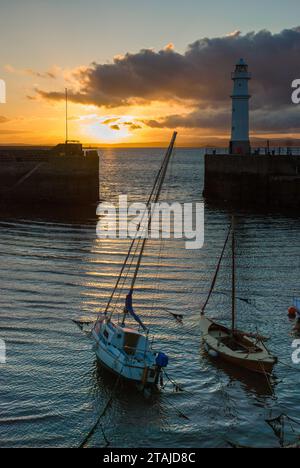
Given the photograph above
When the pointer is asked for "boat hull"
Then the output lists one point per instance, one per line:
(262, 368)
(126, 368)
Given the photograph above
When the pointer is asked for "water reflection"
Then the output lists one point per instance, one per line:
(260, 386)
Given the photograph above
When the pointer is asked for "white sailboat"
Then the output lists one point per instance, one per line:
(128, 351)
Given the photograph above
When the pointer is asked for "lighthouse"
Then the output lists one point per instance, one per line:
(240, 142)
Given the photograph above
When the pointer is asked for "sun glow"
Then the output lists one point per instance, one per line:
(107, 134)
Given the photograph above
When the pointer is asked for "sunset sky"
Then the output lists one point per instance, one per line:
(137, 69)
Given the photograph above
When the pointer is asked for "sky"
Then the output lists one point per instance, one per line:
(136, 70)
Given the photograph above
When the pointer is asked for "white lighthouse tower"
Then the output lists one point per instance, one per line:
(240, 142)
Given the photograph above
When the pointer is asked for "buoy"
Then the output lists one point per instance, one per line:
(292, 312)
(211, 352)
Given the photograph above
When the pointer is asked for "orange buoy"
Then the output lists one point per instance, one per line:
(292, 312)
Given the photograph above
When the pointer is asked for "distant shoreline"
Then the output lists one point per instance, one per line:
(218, 143)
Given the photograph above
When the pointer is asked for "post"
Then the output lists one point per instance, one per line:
(233, 275)
(67, 137)
(66, 143)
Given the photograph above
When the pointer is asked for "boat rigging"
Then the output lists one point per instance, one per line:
(239, 348)
(126, 351)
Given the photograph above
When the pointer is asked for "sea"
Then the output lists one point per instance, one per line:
(55, 269)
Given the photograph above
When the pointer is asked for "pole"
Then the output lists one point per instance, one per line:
(163, 175)
(233, 276)
(157, 179)
(67, 136)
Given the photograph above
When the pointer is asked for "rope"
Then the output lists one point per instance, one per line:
(158, 192)
(216, 273)
(102, 414)
(156, 189)
(279, 418)
(268, 380)
(133, 241)
(176, 386)
(288, 365)
(179, 412)
(280, 431)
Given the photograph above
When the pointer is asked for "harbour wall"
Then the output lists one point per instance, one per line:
(36, 177)
(264, 181)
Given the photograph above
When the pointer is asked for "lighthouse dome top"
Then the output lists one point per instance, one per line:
(241, 70)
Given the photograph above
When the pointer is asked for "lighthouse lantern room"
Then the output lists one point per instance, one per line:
(240, 142)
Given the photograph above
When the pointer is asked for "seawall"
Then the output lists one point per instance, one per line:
(264, 181)
(36, 177)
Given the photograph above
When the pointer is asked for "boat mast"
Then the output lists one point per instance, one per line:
(157, 179)
(162, 178)
(233, 277)
(67, 136)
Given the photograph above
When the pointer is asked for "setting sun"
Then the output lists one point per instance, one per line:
(99, 132)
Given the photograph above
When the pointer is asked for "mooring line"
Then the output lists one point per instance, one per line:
(93, 429)
(288, 365)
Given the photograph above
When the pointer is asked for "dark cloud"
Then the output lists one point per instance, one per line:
(135, 127)
(110, 121)
(118, 123)
(261, 120)
(132, 125)
(215, 119)
(200, 78)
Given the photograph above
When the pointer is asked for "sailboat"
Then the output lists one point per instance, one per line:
(127, 351)
(236, 347)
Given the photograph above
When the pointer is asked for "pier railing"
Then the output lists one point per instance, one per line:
(261, 150)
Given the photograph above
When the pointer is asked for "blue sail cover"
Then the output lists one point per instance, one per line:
(129, 309)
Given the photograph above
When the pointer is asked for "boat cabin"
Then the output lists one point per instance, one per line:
(127, 339)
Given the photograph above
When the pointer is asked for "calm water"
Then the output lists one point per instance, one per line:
(51, 389)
